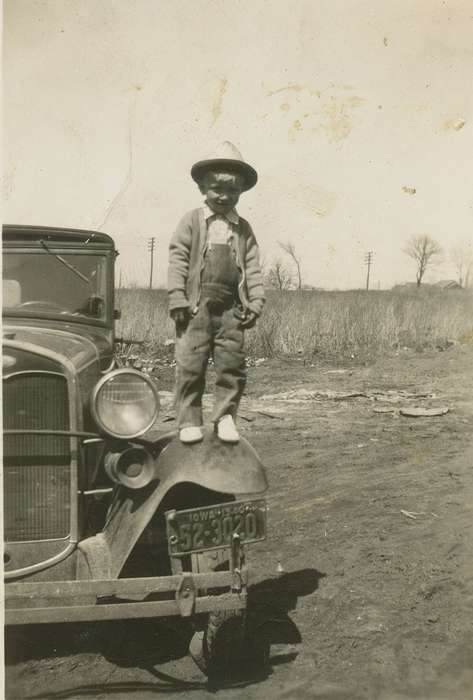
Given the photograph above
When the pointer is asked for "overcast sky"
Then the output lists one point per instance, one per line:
(357, 115)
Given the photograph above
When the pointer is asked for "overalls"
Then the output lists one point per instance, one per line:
(214, 331)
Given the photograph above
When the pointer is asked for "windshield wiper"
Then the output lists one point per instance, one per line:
(74, 269)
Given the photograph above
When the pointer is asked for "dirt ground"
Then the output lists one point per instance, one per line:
(371, 521)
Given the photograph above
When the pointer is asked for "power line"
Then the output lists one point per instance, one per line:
(151, 242)
(368, 262)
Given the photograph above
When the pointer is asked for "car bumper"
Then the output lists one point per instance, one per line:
(73, 601)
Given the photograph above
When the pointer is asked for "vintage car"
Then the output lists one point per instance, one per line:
(102, 521)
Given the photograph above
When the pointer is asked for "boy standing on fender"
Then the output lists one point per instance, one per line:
(215, 291)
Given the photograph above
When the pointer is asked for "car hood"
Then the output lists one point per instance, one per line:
(67, 345)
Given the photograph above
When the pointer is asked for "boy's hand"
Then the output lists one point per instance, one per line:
(180, 317)
(249, 320)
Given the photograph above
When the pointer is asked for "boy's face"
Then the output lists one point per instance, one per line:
(222, 191)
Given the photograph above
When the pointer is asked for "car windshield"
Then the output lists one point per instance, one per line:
(54, 282)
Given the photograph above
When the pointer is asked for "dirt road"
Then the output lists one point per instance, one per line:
(371, 520)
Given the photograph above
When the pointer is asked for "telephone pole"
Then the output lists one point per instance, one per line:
(151, 251)
(368, 261)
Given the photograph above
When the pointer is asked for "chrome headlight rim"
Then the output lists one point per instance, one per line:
(104, 380)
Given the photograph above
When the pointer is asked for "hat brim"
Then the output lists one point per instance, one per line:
(249, 174)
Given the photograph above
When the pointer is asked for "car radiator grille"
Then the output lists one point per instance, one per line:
(37, 468)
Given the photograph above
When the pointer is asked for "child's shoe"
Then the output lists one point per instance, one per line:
(192, 433)
(226, 429)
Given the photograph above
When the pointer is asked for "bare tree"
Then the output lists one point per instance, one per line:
(423, 250)
(462, 258)
(290, 249)
(279, 276)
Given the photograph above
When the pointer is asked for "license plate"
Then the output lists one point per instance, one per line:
(212, 527)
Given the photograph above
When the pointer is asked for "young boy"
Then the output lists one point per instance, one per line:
(215, 291)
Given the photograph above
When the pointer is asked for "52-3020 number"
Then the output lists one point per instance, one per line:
(217, 532)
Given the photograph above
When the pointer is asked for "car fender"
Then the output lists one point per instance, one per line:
(222, 467)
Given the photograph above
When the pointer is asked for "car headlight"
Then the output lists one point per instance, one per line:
(125, 403)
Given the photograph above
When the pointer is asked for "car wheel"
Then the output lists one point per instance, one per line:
(220, 648)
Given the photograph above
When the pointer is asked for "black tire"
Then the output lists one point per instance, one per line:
(220, 650)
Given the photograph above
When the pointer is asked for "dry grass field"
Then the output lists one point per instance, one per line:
(325, 324)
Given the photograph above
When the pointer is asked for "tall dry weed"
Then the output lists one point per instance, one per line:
(328, 324)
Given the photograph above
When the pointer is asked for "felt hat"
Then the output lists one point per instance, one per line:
(229, 159)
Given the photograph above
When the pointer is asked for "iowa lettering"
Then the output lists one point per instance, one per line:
(204, 515)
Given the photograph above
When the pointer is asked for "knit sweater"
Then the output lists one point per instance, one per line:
(186, 260)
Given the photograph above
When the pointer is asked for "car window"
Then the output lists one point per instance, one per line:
(55, 282)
